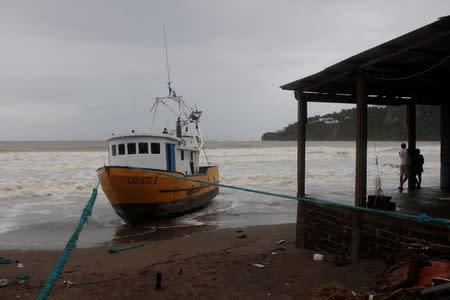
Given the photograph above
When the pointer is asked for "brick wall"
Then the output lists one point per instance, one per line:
(333, 229)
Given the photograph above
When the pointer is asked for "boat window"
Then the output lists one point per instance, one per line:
(131, 147)
(182, 154)
(155, 148)
(121, 149)
(143, 148)
(113, 150)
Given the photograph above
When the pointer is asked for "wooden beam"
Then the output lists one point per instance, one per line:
(411, 120)
(361, 66)
(361, 142)
(379, 100)
(402, 50)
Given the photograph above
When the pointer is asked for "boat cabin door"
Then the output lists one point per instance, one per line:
(170, 157)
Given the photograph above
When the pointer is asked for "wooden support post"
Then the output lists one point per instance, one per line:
(445, 146)
(301, 144)
(361, 161)
(301, 151)
(361, 142)
(411, 120)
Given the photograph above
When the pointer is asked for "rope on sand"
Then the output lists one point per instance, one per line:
(423, 218)
(71, 244)
(87, 211)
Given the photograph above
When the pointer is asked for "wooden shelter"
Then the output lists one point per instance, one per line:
(409, 70)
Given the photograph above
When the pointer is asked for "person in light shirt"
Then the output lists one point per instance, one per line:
(404, 163)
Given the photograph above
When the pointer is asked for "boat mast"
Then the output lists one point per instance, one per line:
(167, 62)
(171, 93)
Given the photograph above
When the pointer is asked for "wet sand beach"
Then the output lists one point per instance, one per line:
(196, 264)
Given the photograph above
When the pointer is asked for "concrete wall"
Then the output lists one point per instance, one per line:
(333, 229)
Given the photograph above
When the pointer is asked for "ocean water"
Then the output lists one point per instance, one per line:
(42, 193)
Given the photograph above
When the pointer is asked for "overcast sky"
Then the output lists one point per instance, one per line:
(85, 69)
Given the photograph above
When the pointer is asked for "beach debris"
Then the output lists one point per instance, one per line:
(3, 282)
(426, 276)
(20, 265)
(436, 291)
(23, 277)
(239, 230)
(227, 251)
(277, 249)
(241, 236)
(335, 290)
(341, 260)
(180, 272)
(115, 250)
(274, 253)
(143, 271)
(439, 280)
(281, 242)
(68, 283)
(158, 281)
(432, 250)
(401, 270)
(6, 261)
(258, 266)
(318, 257)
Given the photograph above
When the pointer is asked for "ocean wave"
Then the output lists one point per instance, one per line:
(46, 189)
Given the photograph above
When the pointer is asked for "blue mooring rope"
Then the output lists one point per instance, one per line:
(71, 244)
(87, 211)
(421, 218)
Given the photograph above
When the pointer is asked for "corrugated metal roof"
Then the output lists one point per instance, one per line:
(414, 67)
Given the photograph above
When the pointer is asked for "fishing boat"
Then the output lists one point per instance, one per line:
(151, 175)
(146, 176)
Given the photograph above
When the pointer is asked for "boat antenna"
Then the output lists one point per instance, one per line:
(167, 61)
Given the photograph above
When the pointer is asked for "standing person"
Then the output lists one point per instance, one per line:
(419, 167)
(404, 162)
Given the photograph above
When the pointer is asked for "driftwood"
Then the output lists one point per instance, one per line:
(424, 276)
(401, 270)
(438, 251)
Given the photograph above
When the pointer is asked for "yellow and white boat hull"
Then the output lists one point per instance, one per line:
(138, 196)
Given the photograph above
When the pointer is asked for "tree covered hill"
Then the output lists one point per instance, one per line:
(384, 123)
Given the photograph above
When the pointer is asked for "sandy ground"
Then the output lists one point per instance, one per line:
(195, 264)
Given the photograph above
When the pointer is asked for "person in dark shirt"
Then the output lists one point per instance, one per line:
(418, 167)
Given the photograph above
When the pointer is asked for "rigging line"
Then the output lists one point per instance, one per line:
(378, 169)
(206, 156)
(167, 60)
(412, 75)
(169, 108)
(187, 105)
(154, 109)
(378, 180)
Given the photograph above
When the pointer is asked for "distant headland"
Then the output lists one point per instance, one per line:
(384, 123)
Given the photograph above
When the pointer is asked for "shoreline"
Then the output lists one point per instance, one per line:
(99, 146)
(206, 263)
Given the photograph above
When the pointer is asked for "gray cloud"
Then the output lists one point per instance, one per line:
(84, 69)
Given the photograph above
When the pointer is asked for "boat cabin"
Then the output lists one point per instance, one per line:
(149, 151)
